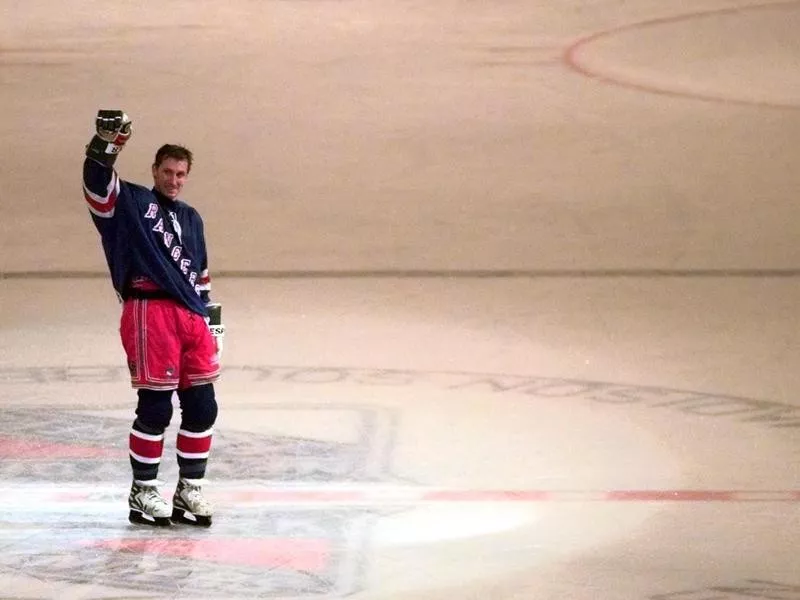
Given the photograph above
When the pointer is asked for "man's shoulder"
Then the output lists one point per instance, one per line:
(185, 207)
(139, 190)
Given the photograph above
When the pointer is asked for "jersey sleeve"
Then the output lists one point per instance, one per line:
(204, 282)
(101, 187)
(205, 286)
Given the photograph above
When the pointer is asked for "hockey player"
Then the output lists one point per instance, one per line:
(171, 332)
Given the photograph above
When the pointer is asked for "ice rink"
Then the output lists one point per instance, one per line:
(511, 293)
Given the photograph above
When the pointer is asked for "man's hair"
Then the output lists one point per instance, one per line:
(173, 151)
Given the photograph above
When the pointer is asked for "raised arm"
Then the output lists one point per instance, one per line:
(100, 181)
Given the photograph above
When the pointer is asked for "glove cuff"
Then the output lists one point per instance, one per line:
(102, 151)
(214, 319)
(214, 313)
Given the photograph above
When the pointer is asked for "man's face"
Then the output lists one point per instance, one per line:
(169, 177)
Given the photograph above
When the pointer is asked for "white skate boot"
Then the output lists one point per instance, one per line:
(147, 507)
(188, 504)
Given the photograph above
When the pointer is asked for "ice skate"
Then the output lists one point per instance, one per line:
(147, 506)
(188, 504)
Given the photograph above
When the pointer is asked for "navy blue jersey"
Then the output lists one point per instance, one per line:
(145, 234)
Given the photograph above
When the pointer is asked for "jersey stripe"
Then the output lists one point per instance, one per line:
(103, 206)
(204, 283)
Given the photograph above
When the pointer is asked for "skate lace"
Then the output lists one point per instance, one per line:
(193, 496)
(152, 496)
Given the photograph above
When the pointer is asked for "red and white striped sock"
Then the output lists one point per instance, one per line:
(145, 452)
(193, 448)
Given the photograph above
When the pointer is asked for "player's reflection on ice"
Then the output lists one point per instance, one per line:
(304, 552)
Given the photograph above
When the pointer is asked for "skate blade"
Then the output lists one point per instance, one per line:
(139, 518)
(187, 518)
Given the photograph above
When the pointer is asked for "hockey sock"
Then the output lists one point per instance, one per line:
(193, 448)
(145, 448)
(199, 413)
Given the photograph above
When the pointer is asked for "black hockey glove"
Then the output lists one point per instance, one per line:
(113, 129)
